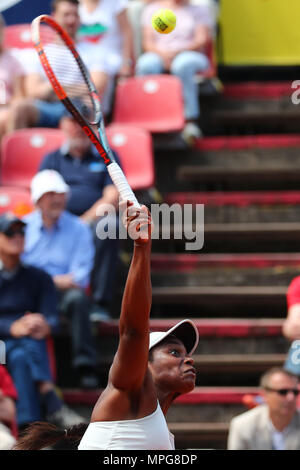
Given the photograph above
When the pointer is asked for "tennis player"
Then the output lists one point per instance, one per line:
(148, 372)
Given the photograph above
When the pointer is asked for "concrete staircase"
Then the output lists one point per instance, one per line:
(246, 173)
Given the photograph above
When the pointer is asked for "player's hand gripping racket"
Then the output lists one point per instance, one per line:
(72, 84)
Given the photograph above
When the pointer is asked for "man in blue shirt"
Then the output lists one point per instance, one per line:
(91, 190)
(28, 315)
(62, 245)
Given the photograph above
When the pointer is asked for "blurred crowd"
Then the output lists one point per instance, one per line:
(126, 45)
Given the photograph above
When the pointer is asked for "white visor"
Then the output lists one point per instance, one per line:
(186, 331)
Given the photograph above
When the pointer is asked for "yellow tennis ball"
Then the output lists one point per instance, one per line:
(164, 21)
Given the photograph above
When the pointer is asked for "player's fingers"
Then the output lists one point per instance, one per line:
(130, 213)
(124, 204)
(128, 209)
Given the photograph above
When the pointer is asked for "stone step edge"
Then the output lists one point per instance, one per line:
(236, 143)
(210, 364)
(200, 395)
(234, 198)
(211, 327)
(188, 262)
(218, 173)
(174, 293)
(236, 227)
(258, 89)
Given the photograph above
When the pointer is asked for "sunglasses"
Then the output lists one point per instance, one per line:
(11, 232)
(284, 391)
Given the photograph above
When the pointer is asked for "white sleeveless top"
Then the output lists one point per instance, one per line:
(148, 433)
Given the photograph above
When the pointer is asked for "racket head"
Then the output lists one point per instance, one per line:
(64, 68)
(73, 85)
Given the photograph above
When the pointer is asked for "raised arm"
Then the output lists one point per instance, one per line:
(130, 363)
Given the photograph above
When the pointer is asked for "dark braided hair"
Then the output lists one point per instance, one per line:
(39, 435)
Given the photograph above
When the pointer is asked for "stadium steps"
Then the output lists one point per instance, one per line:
(225, 369)
(199, 396)
(265, 105)
(237, 336)
(222, 290)
(207, 365)
(214, 369)
(231, 351)
(238, 175)
(200, 435)
(219, 296)
(182, 262)
(239, 207)
(230, 237)
(243, 164)
(235, 287)
(237, 163)
(249, 186)
(210, 327)
(212, 281)
(237, 199)
(217, 335)
(224, 276)
(229, 335)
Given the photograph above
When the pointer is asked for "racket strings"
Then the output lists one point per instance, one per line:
(67, 71)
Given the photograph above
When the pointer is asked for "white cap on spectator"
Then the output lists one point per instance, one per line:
(47, 181)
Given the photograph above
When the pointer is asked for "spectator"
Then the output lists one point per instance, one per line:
(61, 244)
(291, 327)
(8, 396)
(180, 53)
(41, 107)
(92, 191)
(273, 425)
(28, 315)
(11, 80)
(106, 24)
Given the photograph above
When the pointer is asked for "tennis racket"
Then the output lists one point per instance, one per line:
(72, 83)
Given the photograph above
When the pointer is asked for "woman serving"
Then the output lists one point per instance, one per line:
(148, 372)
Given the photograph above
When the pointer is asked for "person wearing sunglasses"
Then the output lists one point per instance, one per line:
(28, 315)
(273, 425)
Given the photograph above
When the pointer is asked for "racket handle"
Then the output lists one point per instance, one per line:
(121, 183)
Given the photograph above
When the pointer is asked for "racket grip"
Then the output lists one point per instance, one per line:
(121, 183)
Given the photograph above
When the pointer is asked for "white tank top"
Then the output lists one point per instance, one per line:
(148, 433)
